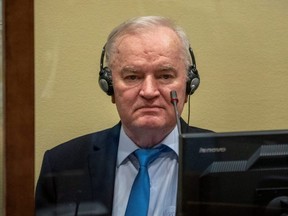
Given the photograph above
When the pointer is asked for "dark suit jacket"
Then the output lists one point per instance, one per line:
(82, 172)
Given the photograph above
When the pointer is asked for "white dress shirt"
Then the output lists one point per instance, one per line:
(163, 174)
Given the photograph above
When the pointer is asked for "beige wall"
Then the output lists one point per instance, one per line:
(240, 46)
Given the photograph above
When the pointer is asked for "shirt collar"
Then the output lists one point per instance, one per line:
(127, 146)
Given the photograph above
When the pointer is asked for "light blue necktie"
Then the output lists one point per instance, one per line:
(138, 202)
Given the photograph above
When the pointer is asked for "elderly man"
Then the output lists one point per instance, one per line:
(104, 172)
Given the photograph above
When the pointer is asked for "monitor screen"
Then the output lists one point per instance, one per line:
(236, 173)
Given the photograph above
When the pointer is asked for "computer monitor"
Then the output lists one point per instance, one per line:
(235, 173)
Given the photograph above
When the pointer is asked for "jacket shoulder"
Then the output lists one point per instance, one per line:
(83, 145)
(186, 128)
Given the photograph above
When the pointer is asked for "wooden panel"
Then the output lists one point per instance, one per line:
(18, 107)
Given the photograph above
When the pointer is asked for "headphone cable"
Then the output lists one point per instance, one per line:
(188, 114)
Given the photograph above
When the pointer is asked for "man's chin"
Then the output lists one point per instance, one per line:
(151, 122)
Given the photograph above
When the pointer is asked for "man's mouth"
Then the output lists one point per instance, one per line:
(150, 108)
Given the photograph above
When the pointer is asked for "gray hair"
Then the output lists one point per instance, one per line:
(141, 24)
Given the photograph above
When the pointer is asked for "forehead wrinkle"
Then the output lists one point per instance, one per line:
(129, 68)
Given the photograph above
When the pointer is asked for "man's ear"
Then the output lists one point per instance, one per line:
(113, 99)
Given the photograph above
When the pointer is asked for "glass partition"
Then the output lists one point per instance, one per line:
(240, 49)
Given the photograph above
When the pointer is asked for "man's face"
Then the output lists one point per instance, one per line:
(145, 69)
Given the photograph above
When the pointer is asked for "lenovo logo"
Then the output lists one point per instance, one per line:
(212, 150)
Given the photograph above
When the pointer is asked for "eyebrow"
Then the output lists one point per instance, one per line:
(166, 68)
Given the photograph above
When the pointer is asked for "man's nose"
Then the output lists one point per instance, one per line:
(150, 87)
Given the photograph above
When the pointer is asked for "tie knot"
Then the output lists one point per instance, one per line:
(147, 156)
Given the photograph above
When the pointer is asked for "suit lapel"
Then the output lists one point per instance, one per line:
(102, 165)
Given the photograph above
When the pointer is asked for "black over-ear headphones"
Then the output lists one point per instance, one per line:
(105, 76)
(193, 80)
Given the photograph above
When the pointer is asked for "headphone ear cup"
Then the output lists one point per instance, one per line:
(105, 81)
(193, 81)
